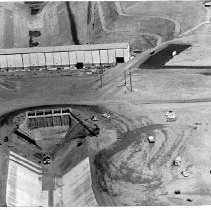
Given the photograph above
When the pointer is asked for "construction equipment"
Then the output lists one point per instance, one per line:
(6, 139)
(94, 118)
(47, 159)
(185, 173)
(177, 161)
(174, 53)
(151, 139)
(170, 116)
(105, 115)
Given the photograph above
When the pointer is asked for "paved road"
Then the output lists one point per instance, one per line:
(6, 25)
(9, 29)
(1, 24)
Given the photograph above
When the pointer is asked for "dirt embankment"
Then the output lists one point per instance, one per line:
(85, 22)
(67, 23)
(60, 23)
(132, 161)
(55, 28)
(109, 11)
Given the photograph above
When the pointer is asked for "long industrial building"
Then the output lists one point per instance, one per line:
(73, 56)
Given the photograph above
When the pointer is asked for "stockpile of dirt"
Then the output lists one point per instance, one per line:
(55, 29)
(133, 171)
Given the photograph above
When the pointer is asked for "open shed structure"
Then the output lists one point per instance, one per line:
(60, 57)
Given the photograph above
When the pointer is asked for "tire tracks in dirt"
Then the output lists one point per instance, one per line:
(176, 23)
(159, 38)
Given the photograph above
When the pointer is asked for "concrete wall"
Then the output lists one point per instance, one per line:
(75, 187)
(24, 183)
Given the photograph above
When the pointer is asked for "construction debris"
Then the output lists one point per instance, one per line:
(6, 139)
(185, 173)
(47, 160)
(94, 118)
(105, 115)
(170, 116)
(177, 161)
(151, 139)
(137, 51)
(177, 192)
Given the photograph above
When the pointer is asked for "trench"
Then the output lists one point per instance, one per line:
(73, 27)
(89, 12)
(77, 130)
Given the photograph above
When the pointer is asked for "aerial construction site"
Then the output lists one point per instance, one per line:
(105, 103)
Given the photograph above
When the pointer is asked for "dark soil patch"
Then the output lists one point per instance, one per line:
(206, 73)
(177, 192)
(163, 56)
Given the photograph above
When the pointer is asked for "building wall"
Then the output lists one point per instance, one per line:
(56, 59)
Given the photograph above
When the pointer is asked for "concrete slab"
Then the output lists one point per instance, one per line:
(75, 187)
(25, 160)
(24, 187)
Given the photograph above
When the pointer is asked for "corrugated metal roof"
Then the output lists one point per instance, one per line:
(64, 48)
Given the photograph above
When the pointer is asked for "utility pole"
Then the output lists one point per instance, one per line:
(131, 85)
(125, 77)
(101, 78)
